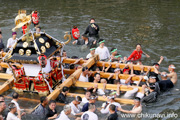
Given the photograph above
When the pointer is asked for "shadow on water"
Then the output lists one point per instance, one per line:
(123, 23)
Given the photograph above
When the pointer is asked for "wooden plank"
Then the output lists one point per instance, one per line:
(5, 65)
(113, 65)
(7, 85)
(108, 86)
(101, 98)
(5, 76)
(106, 75)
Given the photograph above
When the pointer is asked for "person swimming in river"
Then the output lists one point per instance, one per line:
(169, 79)
(136, 55)
(87, 41)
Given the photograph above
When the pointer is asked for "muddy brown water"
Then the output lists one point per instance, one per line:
(123, 23)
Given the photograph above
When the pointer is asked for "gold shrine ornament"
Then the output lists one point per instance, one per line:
(28, 52)
(25, 44)
(21, 52)
(41, 40)
(47, 45)
(43, 49)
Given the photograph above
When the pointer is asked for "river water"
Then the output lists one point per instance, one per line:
(123, 23)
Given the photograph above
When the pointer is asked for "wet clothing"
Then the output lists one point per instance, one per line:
(40, 111)
(50, 113)
(152, 97)
(113, 116)
(83, 79)
(135, 55)
(1, 45)
(106, 109)
(85, 100)
(165, 85)
(92, 31)
(89, 116)
(137, 110)
(61, 98)
(89, 43)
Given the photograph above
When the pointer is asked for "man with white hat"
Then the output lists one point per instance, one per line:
(105, 106)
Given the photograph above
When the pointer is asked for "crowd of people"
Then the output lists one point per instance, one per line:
(83, 108)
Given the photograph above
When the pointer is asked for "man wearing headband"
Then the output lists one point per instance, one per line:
(91, 54)
(151, 95)
(75, 108)
(136, 109)
(90, 115)
(11, 115)
(92, 29)
(113, 54)
(102, 51)
(110, 100)
(12, 40)
(92, 100)
(171, 79)
(136, 54)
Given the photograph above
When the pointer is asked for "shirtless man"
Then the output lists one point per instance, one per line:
(166, 84)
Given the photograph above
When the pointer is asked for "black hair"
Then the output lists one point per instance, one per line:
(39, 28)
(72, 66)
(137, 98)
(96, 74)
(133, 84)
(101, 40)
(0, 32)
(2, 96)
(112, 49)
(84, 68)
(42, 99)
(92, 19)
(155, 64)
(15, 95)
(87, 91)
(138, 44)
(74, 57)
(64, 51)
(65, 89)
(78, 98)
(112, 107)
(74, 26)
(52, 101)
(94, 68)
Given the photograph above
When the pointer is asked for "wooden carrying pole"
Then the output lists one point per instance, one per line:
(101, 98)
(108, 86)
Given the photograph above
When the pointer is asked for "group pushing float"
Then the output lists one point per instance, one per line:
(35, 69)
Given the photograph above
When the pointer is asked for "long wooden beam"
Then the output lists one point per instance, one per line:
(32, 100)
(5, 76)
(113, 65)
(7, 85)
(106, 75)
(108, 86)
(101, 98)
